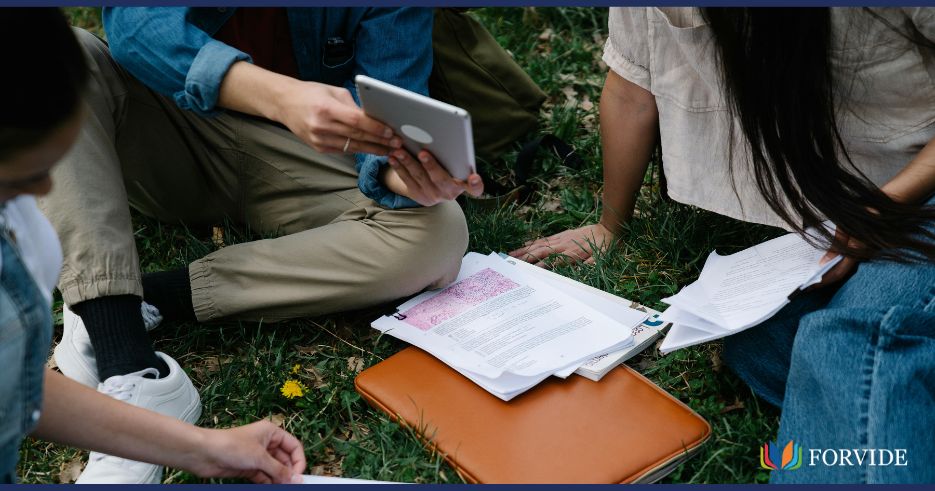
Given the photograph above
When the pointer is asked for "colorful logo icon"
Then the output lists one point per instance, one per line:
(789, 460)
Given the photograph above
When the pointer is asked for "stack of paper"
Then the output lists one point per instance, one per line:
(506, 328)
(644, 333)
(741, 290)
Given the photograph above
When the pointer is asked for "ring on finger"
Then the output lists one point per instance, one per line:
(347, 144)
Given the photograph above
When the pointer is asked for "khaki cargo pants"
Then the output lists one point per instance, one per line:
(334, 250)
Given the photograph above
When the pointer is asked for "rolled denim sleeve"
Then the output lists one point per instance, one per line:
(368, 170)
(393, 45)
(161, 48)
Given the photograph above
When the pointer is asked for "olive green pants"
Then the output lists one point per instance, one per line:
(334, 249)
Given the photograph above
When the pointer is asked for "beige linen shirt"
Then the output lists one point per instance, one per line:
(885, 86)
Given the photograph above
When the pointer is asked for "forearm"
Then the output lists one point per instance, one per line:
(916, 181)
(252, 90)
(114, 427)
(629, 128)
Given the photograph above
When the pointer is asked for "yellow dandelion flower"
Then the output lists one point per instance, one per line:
(295, 369)
(292, 388)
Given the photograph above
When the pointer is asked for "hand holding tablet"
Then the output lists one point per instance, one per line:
(436, 162)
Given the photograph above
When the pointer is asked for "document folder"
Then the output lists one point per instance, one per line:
(623, 429)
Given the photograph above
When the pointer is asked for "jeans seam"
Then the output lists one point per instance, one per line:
(869, 374)
(878, 336)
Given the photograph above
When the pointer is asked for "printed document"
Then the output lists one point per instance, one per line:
(741, 290)
(493, 321)
(507, 330)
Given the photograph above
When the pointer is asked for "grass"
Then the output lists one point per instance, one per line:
(239, 367)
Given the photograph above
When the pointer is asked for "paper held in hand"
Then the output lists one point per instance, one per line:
(506, 328)
(741, 290)
(311, 479)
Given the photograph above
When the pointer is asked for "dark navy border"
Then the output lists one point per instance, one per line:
(497, 487)
(467, 3)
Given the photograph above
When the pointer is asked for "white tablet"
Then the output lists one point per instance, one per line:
(422, 122)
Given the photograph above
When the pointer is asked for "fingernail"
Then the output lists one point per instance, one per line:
(396, 143)
(296, 479)
(423, 157)
(387, 133)
(399, 155)
(393, 162)
(474, 181)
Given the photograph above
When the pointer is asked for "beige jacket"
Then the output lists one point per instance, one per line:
(885, 114)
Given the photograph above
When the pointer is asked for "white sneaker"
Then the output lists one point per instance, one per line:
(74, 355)
(173, 395)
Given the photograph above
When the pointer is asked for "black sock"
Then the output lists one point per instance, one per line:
(171, 293)
(121, 344)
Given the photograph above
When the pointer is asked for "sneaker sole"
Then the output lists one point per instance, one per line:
(193, 412)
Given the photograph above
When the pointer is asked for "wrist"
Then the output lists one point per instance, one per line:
(198, 451)
(611, 226)
(392, 181)
(279, 90)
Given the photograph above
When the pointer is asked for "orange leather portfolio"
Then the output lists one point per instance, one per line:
(623, 429)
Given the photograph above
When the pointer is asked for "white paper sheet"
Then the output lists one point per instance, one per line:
(643, 336)
(741, 290)
(611, 305)
(493, 321)
(310, 479)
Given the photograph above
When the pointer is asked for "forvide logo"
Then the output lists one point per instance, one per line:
(789, 460)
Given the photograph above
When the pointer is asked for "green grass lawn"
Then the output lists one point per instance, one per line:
(239, 367)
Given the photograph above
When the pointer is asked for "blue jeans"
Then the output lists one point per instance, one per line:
(25, 335)
(852, 367)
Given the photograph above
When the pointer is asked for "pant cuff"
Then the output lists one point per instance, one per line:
(202, 301)
(76, 291)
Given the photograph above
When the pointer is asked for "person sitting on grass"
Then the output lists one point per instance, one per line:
(40, 121)
(201, 116)
(790, 117)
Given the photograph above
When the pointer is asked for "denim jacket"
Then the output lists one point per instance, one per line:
(25, 335)
(170, 49)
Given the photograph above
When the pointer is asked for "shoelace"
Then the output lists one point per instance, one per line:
(151, 316)
(118, 388)
(121, 387)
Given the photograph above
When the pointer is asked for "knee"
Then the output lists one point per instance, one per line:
(446, 222)
(95, 49)
(442, 240)
(431, 243)
(106, 80)
(832, 348)
(452, 221)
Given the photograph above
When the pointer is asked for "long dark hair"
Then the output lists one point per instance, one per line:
(777, 72)
(44, 79)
